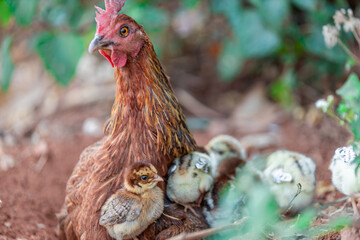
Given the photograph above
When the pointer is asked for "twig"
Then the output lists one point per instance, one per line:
(356, 35)
(347, 50)
(41, 163)
(296, 194)
(208, 232)
(334, 202)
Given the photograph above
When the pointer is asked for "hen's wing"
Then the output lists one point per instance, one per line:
(75, 191)
(119, 208)
(78, 179)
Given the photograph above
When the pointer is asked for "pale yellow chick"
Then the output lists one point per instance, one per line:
(292, 179)
(224, 147)
(189, 179)
(130, 210)
(344, 177)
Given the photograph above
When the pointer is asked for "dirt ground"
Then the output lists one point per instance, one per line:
(32, 192)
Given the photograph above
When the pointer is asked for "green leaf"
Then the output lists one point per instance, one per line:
(305, 219)
(349, 64)
(282, 90)
(307, 5)
(339, 223)
(230, 8)
(230, 60)
(343, 109)
(154, 18)
(263, 210)
(355, 128)
(5, 13)
(314, 43)
(7, 65)
(255, 39)
(60, 54)
(351, 89)
(190, 3)
(23, 10)
(279, 12)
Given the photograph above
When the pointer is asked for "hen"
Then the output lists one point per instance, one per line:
(146, 122)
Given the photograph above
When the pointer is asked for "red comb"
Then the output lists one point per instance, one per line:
(112, 8)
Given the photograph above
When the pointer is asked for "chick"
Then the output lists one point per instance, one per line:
(292, 179)
(225, 147)
(189, 179)
(344, 177)
(130, 210)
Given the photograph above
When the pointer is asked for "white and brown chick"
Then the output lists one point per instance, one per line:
(344, 175)
(130, 210)
(189, 179)
(226, 153)
(292, 179)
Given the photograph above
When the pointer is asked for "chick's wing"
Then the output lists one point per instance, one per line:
(120, 208)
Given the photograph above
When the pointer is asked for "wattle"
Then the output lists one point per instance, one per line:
(116, 59)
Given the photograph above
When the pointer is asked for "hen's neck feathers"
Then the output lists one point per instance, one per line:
(146, 117)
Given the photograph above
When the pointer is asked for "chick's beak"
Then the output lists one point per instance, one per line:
(98, 43)
(157, 178)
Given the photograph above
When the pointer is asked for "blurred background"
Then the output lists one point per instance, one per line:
(214, 51)
(249, 68)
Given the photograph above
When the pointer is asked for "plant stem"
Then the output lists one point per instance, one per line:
(347, 50)
(208, 232)
(356, 35)
(336, 117)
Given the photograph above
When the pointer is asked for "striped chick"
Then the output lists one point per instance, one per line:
(225, 147)
(189, 179)
(292, 179)
(344, 175)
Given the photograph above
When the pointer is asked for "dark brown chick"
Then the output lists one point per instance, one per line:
(130, 210)
(146, 121)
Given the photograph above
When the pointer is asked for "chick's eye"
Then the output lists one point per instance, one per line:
(124, 31)
(144, 177)
(221, 152)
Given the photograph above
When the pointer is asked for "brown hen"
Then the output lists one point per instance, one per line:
(146, 123)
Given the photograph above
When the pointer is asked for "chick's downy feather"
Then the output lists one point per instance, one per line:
(130, 210)
(189, 178)
(285, 170)
(146, 123)
(343, 169)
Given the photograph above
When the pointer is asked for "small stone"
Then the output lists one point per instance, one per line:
(6, 162)
(92, 127)
(40, 226)
(7, 224)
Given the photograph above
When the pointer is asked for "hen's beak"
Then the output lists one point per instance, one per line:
(97, 43)
(157, 178)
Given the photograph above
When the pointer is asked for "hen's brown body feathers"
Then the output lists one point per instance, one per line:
(146, 123)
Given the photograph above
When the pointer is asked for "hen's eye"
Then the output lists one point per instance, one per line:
(124, 31)
(144, 178)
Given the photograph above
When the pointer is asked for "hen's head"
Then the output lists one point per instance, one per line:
(140, 177)
(117, 37)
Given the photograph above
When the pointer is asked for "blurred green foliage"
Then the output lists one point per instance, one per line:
(349, 108)
(247, 197)
(283, 32)
(7, 65)
(23, 10)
